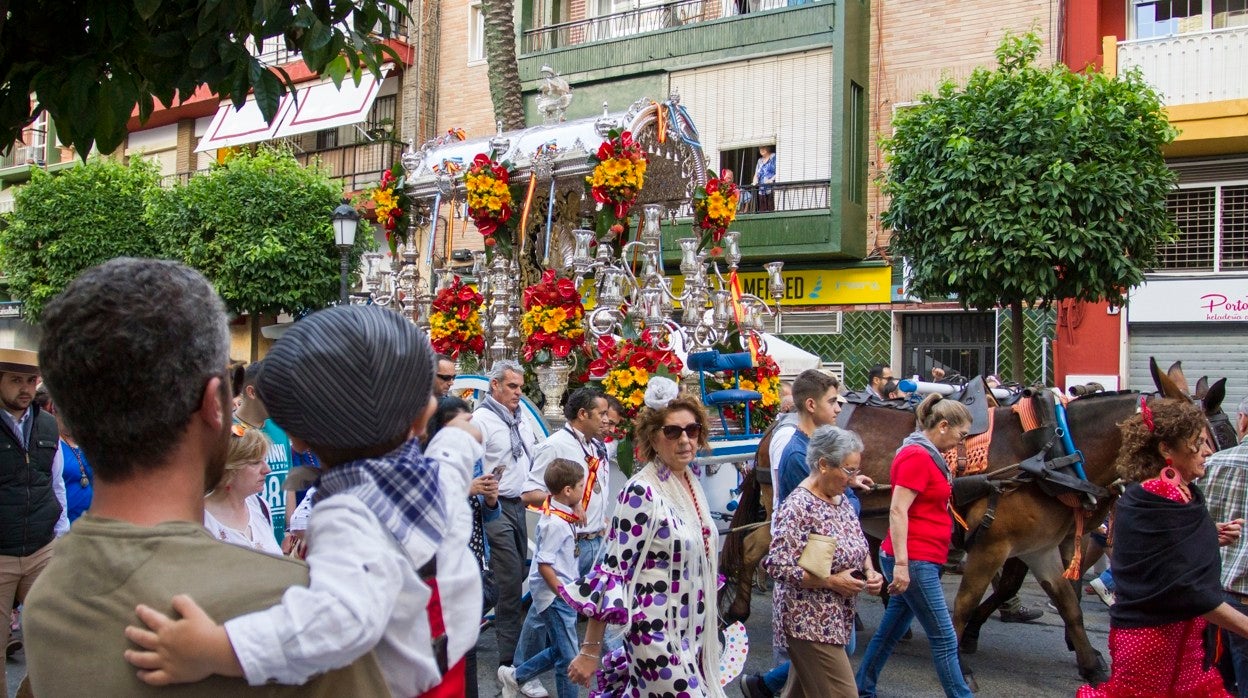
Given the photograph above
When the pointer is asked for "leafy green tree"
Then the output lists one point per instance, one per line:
(91, 63)
(1029, 185)
(258, 227)
(63, 224)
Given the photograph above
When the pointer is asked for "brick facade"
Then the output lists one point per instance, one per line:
(916, 45)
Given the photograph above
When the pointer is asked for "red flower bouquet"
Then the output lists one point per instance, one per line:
(619, 173)
(455, 321)
(553, 320)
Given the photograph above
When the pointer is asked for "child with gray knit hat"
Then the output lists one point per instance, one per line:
(388, 536)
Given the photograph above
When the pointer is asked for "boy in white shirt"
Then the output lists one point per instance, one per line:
(388, 535)
(554, 565)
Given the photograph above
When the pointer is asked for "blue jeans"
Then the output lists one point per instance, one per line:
(589, 554)
(1239, 647)
(560, 650)
(923, 599)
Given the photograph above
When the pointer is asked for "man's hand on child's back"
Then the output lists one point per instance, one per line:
(189, 649)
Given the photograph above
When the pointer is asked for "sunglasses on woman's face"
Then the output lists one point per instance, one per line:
(673, 432)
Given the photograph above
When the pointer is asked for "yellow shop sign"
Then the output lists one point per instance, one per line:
(853, 286)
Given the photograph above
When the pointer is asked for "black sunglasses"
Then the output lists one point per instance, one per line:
(673, 432)
(446, 376)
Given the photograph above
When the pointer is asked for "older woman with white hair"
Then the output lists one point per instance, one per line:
(814, 611)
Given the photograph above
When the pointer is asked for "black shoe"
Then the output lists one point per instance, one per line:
(752, 686)
(14, 646)
(1021, 615)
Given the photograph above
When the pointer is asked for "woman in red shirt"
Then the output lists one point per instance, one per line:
(919, 529)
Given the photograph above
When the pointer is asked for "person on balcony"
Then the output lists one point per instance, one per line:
(764, 177)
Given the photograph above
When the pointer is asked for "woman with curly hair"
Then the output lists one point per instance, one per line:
(1165, 560)
(657, 575)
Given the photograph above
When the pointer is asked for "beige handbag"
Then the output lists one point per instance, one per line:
(817, 555)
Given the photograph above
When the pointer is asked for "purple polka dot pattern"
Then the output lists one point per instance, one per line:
(663, 644)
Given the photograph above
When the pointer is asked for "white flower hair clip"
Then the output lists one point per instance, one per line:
(660, 392)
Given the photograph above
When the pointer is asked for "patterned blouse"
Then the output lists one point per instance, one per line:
(815, 615)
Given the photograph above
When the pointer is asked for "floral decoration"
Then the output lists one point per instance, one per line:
(392, 206)
(619, 173)
(490, 200)
(625, 368)
(553, 321)
(455, 321)
(714, 209)
(765, 378)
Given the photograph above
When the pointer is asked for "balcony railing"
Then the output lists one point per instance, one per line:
(1191, 68)
(358, 166)
(640, 20)
(810, 195)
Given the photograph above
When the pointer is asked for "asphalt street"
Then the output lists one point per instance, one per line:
(1028, 659)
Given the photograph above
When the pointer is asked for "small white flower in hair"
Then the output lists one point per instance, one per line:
(660, 392)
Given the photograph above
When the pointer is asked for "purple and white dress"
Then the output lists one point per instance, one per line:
(657, 576)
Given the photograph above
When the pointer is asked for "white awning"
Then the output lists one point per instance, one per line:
(246, 125)
(315, 107)
(322, 106)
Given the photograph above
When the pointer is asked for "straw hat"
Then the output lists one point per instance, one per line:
(19, 361)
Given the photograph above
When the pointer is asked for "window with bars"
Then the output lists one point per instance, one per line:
(1213, 229)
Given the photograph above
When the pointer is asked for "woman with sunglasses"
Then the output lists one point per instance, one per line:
(919, 530)
(657, 575)
(814, 615)
(232, 511)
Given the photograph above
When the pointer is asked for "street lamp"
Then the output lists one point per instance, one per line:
(346, 220)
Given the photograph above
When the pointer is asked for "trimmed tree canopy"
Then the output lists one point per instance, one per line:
(1029, 185)
(259, 228)
(90, 63)
(66, 223)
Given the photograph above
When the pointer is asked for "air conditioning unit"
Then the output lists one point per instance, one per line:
(837, 368)
(792, 322)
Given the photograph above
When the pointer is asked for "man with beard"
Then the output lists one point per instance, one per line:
(32, 491)
(134, 353)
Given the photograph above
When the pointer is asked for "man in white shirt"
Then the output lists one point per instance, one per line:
(509, 446)
(579, 442)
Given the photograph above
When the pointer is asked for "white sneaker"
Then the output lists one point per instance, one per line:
(507, 681)
(1106, 596)
(534, 689)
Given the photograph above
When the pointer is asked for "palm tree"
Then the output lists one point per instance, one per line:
(500, 54)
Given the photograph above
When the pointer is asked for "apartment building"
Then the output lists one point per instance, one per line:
(1194, 306)
(817, 82)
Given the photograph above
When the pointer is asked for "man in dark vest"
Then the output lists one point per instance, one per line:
(30, 474)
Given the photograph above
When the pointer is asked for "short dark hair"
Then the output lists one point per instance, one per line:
(613, 403)
(251, 375)
(581, 399)
(561, 473)
(877, 371)
(126, 352)
(449, 408)
(812, 384)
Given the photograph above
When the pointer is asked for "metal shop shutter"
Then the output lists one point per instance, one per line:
(1218, 351)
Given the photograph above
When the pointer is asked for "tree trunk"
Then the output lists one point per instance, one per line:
(253, 320)
(1016, 321)
(500, 54)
